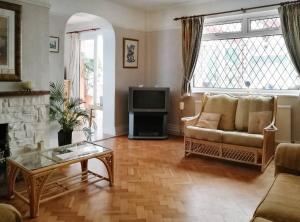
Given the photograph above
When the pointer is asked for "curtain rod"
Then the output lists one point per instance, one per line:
(86, 30)
(237, 10)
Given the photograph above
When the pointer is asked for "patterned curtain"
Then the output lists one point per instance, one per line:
(290, 23)
(191, 39)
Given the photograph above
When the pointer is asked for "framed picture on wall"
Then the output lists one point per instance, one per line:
(10, 42)
(130, 53)
(54, 44)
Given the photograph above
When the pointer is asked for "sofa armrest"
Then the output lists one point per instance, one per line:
(271, 128)
(188, 121)
(287, 158)
(268, 145)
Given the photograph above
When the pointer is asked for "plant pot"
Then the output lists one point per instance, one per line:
(64, 137)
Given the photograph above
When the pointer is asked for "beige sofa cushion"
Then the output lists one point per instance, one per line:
(224, 105)
(261, 103)
(209, 120)
(9, 214)
(282, 202)
(259, 219)
(242, 113)
(203, 134)
(258, 121)
(243, 139)
(287, 158)
(247, 104)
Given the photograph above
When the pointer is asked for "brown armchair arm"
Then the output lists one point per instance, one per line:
(287, 158)
(188, 121)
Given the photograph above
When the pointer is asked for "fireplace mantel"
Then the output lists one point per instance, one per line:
(23, 93)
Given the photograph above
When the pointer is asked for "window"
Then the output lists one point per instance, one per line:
(250, 53)
(222, 28)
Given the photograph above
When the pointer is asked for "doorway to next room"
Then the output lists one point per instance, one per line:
(90, 70)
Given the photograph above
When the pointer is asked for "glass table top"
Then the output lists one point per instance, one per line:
(39, 159)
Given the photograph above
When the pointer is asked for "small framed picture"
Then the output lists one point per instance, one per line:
(130, 53)
(54, 44)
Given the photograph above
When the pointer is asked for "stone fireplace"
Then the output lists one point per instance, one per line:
(25, 115)
(4, 145)
(4, 152)
(23, 122)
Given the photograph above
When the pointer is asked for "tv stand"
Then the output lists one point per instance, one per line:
(147, 125)
(148, 112)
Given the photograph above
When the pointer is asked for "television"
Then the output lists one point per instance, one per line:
(148, 99)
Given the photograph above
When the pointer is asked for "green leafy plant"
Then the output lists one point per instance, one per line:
(68, 112)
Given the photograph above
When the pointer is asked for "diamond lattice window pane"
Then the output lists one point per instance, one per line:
(265, 24)
(222, 28)
(264, 62)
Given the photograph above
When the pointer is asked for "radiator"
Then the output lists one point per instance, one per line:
(284, 124)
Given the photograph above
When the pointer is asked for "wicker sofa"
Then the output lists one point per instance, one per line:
(231, 140)
(282, 202)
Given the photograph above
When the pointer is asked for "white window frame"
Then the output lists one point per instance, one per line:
(246, 32)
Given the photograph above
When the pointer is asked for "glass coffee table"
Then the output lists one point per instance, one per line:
(37, 168)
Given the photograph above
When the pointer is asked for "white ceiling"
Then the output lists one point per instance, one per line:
(157, 4)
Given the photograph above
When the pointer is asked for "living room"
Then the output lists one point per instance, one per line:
(149, 110)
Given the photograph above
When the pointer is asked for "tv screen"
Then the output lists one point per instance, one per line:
(148, 99)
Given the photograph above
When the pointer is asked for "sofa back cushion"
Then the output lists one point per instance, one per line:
(258, 121)
(209, 120)
(224, 105)
(242, 113)
(247, 104)
(261, 103)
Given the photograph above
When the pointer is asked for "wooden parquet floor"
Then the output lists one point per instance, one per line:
(154, 182)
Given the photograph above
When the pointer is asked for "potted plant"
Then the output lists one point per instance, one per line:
(68, 113)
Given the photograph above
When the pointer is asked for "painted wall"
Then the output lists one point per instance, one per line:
(127, 77)
(126, 22)
(118, 15)
(56, 61)
(164, 63)
(164, 67)
(35, 63)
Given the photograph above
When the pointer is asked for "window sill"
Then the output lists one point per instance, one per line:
(247, 92)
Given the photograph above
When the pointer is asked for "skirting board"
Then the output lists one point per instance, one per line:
(174, 129)
(118, 131)
(121, 130)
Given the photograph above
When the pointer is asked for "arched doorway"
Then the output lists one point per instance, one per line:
(90, 67)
